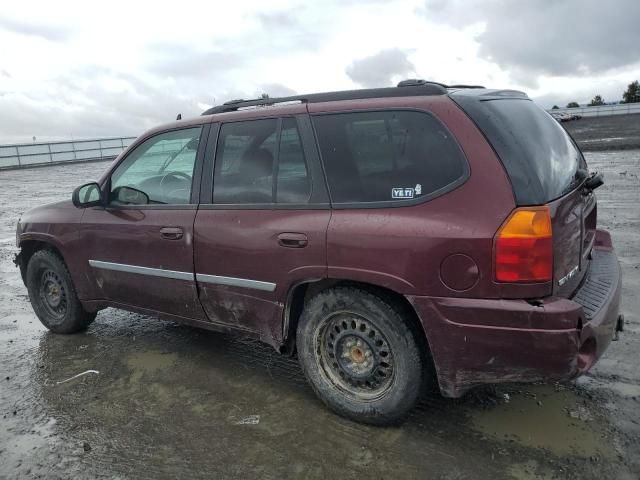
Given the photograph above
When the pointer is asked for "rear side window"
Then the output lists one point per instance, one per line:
(251, 155)
(293, 184)
(244, 162)
(538, 154)
(387, 156)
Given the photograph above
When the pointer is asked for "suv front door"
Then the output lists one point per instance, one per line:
(140, 247)
(263, 228)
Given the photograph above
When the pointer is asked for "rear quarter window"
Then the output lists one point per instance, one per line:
(387, 156)
(540, 157)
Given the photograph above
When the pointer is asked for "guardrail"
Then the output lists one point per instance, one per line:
(601, 111)
(37, 154)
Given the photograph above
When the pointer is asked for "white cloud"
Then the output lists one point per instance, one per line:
(87, 69)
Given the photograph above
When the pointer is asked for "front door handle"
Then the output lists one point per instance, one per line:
(171, 233)
(293, 240)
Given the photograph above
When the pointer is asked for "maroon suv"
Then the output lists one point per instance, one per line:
(393, 237)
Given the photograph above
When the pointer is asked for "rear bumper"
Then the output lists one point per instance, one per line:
(476, 341)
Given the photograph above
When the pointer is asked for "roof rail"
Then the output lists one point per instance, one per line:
(412, 82)
(418, 81)
(466, 86)
(408, 90)
(233, 105)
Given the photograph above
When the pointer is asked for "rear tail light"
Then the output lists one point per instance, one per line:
(523, 248)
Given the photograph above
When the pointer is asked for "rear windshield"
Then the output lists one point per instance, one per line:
(540, 157)
(387, 156)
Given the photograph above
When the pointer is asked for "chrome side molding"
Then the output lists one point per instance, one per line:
(236, 282)
(188, 276)
(153, 272)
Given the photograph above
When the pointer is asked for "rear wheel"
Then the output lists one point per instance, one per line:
(53, 295)
(359, 355)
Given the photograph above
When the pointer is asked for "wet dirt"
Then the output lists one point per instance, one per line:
(548, 417)
(175, 402)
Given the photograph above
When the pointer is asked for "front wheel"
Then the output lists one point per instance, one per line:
(53, 295)
(359, 355)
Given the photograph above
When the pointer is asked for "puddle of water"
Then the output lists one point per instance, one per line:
(153, 365)
(549, 425)
(150, 361)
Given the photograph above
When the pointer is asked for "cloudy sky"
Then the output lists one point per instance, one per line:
(83, 70)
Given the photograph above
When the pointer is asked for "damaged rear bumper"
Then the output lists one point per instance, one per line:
(484, 341)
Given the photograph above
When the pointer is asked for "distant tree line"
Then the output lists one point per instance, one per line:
(630, 95)
(596, 101)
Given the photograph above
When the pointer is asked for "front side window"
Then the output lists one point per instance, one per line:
(251, 155)
(387, 155)
(159, 171)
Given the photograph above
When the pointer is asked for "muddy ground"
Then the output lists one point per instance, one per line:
(174, 402)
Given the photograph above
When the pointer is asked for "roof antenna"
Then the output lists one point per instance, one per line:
(179, 117)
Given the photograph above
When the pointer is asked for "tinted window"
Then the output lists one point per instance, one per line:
(293, 184)
(538, 154)
(246, 164)
(386, 156)
(161, 167)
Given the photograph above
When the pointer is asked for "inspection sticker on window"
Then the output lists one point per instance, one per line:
(406, 192)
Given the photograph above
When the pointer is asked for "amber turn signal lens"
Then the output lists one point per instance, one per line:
(523, 248)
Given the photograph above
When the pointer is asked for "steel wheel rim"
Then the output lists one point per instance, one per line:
(355, 356)
(53, 295)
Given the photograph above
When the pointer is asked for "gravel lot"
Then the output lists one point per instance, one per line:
(615, 132)
(176, 402)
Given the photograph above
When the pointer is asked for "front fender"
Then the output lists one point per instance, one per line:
(55, 226)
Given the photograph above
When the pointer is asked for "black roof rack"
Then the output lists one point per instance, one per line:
(418, 81)
(414, 82)
(408, 88)
(466, 86)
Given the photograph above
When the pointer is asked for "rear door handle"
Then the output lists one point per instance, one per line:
(293, 240)
(171, 233)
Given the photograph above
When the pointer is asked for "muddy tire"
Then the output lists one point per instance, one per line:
(53, 295)
(360, 355)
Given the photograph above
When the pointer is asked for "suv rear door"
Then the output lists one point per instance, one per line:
(381, 158)
(256, 237)
(545, 167)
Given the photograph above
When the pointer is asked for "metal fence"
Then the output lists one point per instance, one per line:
(601, 111)
(33, 154)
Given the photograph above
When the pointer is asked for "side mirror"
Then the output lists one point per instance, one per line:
(87, 195)
(129, 196)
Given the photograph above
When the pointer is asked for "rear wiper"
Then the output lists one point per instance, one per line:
(581, 174)
(578, 180)
(588, 181)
